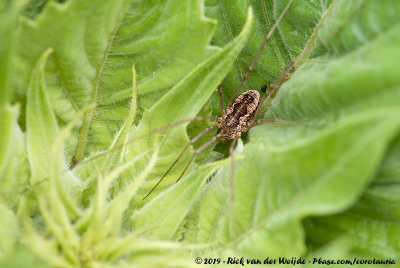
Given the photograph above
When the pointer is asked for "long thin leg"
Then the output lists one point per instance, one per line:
(274, 120)
(180, 155)
(221, 100)
(277, 83)
(232, 175)
(199, 150)
(271, 31)
(145, 135)
(264, 121)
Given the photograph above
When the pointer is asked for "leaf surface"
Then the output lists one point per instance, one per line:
(95, 44)
(322, 164)
(324, 181)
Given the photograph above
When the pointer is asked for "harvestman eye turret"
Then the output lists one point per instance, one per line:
(239, 116)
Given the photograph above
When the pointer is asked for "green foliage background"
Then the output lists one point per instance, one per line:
(90, 79)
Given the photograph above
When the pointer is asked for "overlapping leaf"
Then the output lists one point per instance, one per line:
(76, 236)
(347, 103)
(95, 44)
(344, 97)
(14, 173)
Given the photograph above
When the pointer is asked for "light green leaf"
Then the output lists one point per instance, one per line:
(169, 209)
(95, 44)
(8, 20)
(324, 184)
(22, 257)
(14, 171)
(376, 214)
(77, 55)
(121, 138)
(9, 230)
(105, 161)
(41, 123)
(45, 147)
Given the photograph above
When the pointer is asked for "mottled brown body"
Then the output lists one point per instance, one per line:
(239, 117)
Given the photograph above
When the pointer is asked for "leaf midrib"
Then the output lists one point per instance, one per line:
(88, 117)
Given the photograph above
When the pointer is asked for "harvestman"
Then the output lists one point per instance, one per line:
(239, 116)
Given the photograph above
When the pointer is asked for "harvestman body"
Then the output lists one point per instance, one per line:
(239, 116)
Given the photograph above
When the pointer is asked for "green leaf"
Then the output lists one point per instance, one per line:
(14, 171)
(22, 257)
(285, 45)
(41, 122)
(323, 185)
(80, 34)
(376, 213)
(181, 102)
(106, 160)
(95, 44)
(370, 83)
(8, 20)
(34, 8)
(44, 140)
(346, 100)
(170, 207)
(9, 230)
